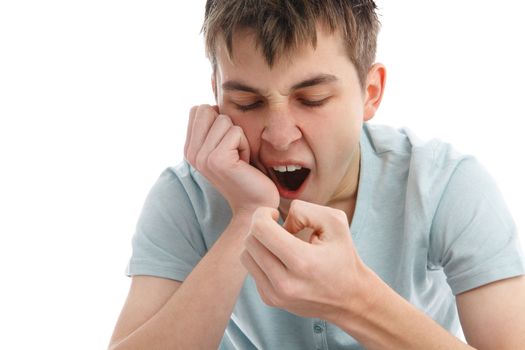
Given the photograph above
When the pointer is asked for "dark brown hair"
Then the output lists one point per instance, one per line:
(281, 26)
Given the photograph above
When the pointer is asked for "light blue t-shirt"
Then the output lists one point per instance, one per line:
(429, 221)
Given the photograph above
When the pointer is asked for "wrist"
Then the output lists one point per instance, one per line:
(240, 223)
(241, 216)
(380, 318)
(363, 300)
(244, 212)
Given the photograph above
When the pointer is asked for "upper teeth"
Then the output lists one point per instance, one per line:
(284, 168)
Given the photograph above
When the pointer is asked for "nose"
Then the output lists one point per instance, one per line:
(280, 130)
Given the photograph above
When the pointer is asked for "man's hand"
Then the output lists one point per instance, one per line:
(312, 278)
(220, 151)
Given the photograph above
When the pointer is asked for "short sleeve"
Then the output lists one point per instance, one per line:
(473, 236)
(167, 242)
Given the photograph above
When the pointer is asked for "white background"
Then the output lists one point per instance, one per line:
(94, 98)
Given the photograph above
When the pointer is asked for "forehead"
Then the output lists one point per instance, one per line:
(247, 59)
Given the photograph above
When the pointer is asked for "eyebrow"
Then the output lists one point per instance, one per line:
(320, 79)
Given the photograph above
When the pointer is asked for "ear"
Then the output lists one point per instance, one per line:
(375, 86)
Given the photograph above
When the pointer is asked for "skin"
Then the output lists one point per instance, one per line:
(320, 275)
(281, 118)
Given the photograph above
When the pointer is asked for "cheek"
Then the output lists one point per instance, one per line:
(335, 140)
(337, 126)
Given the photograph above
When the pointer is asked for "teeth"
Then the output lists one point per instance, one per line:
(284, 168)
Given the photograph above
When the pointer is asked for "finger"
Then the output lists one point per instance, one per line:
(235, 140)
(203, 120)
(287, 248)
(263, 284)
(193, 111)
(324, 221)
(269, 263)
(218, 130)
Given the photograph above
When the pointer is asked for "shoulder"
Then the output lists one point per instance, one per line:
(404, 142)
(429, 160)
(422, 170)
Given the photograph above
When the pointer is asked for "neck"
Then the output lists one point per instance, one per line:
(346, 195)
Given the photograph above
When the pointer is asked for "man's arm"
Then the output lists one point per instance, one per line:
(325, 278)
(196, 314)
(147, 295)
(493, 315)
(201, 305)
(387, 320)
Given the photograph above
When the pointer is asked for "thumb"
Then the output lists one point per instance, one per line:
(265, 213)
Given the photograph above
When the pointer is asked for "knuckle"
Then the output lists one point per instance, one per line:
(205, 111)
(214, 161)
(200, 110)
(295, 205)
(258, 216)
(203, 107)
(235, 131)
(293, 208)
(223, 118)
(200, 161)
(266, 299)
(190, 157)
(274, 299)
(339, 216)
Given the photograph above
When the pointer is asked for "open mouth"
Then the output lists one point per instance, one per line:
(290, 177)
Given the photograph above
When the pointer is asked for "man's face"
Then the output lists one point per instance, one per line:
(307, 110)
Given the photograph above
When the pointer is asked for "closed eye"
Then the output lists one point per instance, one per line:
(244, 108)
(305, 102)
(313, 103)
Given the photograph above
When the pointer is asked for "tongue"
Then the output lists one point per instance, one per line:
(292, 180)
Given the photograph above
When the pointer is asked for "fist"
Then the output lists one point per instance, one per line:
(219, 150)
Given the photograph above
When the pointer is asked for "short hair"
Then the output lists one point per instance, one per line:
(281, 26)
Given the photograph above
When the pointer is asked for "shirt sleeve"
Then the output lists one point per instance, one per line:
(168, 241)
(473, 236)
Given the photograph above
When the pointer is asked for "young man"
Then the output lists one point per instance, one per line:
(293, 224)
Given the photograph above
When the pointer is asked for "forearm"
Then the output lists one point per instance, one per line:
(197, 314)
(390, 322)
